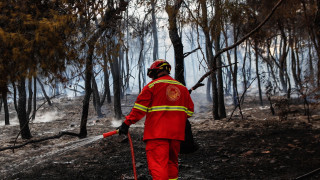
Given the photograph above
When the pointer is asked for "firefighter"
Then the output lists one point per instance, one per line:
(167, 104)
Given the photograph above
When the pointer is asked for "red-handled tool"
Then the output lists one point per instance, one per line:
(110, 133)
(131, 148)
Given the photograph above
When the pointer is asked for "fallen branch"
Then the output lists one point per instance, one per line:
(237, 43)
(29, 121)
(40, 140)
(308, 174)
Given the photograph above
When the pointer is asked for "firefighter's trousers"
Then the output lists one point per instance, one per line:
(162, 157)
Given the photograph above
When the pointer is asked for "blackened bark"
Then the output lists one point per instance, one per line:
(317, 25)
(317, 35)
(235, 69)
(44, 92)
(257, 71)
(96, 101)
(211, 60)
(176, 40)
(22, 113)
(86, 100)
(127, 58)
(314, 32)
(317, 22)
(282, 59)
(29, 97)
(4, 95)
(294, 62)
(34, 98)
(244, 76)
(154, 31)
(15, 96)
(121, 70)
(106, 93)
(208, 92)
(235, 79)
(222, 109)
(215, 108)
(116, 88)
(228, 83)
(39, 140)
(311, 68)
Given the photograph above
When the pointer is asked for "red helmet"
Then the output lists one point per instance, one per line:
(157, 66)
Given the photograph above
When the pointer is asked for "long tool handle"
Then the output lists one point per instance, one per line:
(110, 133)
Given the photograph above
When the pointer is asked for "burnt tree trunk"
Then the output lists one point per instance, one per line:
(15, 96)
(294, 63)
(44, 92)
(208, 90)
(4, 95)
(221, 106)
(22, 112)
(257, 71)
(116, 88)
(244, 76)
(96, 98)
(121, 70)
(140, 61)
(222, 109)
(235, 79)
(212, 62)
(282, 59)
(172, 11)
(317, 32)
(29, 97)
(127, 78)
(106, 93)
(314, 33)
(311, 68)
(88, 90)
(154, 31)
(34, 98)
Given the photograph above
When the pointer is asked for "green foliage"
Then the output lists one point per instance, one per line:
(35, 37)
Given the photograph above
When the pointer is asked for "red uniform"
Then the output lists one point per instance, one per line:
(167, 104)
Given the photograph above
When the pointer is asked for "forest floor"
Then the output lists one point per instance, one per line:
(259, 146)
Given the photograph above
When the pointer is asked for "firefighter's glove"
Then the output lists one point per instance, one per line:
(123, 129)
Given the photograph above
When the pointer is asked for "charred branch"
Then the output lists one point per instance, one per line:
(39, 140)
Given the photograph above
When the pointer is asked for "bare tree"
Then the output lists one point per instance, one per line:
(114, 65)
(172, 10)
(44, 92)
(154, 30)
(22, 114)
(4, 96)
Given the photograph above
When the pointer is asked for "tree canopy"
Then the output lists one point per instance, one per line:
(36, 37)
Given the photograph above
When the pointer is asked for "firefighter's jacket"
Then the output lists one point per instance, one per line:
(167, 104)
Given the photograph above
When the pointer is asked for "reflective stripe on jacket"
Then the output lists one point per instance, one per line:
(167, 104)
